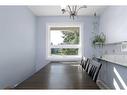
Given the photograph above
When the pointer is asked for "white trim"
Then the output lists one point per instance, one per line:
(65, 46)
(76, 24)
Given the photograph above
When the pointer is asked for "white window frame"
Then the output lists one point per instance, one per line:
(48, 47)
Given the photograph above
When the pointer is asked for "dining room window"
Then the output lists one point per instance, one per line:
(64, 41)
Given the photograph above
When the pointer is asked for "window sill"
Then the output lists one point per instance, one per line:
(64, 58)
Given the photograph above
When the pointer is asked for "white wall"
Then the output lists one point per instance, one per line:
(113, 22)
(87, 23)
(17, 44)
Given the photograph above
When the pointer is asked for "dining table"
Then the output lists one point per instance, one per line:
(59, 75)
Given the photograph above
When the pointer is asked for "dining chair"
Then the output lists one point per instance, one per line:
(85, 64)
(82, 60)
(86, 67)
(94, 68)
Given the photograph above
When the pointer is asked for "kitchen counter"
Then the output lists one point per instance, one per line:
(116, 59)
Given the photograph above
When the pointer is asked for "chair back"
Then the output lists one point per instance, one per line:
(82, 60)
(85, 63)
(86, 67)
(94, 68)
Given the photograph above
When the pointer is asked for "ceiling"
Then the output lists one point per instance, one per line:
(56, 10)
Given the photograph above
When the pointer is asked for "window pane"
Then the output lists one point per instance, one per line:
(64, 51)
(64, 35)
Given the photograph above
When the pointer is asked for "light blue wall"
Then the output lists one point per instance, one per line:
(113, 22)
(17, 44)
(87, 22)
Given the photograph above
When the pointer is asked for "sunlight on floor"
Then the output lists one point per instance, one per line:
(120, 79)
(116, 85)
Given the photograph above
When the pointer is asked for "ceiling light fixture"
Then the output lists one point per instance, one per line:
(72, 10)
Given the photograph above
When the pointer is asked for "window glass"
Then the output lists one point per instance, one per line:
(64, 35)
(64, 51)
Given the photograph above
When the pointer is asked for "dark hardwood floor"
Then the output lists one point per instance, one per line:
(59, 76)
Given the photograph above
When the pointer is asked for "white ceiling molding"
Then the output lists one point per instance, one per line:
(56, 10)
